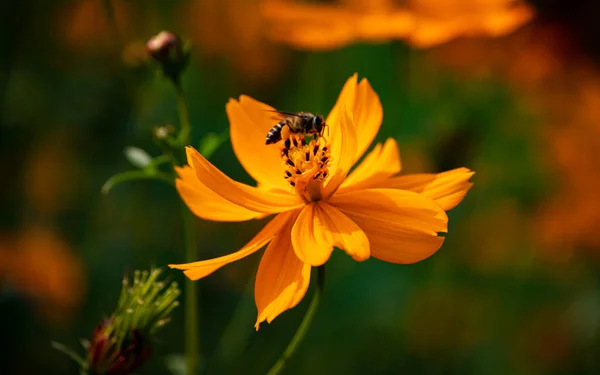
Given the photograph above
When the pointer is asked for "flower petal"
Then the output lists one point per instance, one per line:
(198, 270)
(368, 115)
(378, 166)
(319, 228)
(345, 100)
(207, 204)
(250, 121)
(282, 279)
(447, 188)
(251, 198)
(402, 226)
(364, 104)
(343, 158)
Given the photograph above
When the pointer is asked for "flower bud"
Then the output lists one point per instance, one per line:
(163, 46)
(121, 343)
(163, 132)
(169, 51)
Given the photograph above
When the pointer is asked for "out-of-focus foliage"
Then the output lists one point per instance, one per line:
(514, 290)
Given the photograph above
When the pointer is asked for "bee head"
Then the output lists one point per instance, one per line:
(317, 123)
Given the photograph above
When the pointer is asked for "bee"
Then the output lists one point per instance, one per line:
(298, 123)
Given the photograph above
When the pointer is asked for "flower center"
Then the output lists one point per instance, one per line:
(306, 165)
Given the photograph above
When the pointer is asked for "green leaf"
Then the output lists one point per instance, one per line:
(211, 142)
(70, 353)
(137, 157)
(135, 175)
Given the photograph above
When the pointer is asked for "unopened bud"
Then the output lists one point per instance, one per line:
(169, 51)
(162, 45)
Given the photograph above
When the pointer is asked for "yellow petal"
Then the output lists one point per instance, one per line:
(251, 198)
(250, 121)
(207, 204)
(333, 131)
(365, 106)
(345, 100)
(319, 228)
(378, 166)
(447, 188)
(198, 270)
(401, 226)
(344, 159)
(401, 248)
(368, 115)
(282, 279)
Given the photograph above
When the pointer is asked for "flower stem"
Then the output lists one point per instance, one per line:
(192, 350)
(303, 328)
(184, 117)
(192, 347)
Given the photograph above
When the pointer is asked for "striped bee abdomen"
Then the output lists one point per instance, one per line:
(274, 134)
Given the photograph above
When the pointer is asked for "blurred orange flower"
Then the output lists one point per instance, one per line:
(240, 38)
(557, 82)
(318, 204)
(87, 23)
(571, 217)
(422, 23)
(40, 264)
(49, 173)
(529, 59)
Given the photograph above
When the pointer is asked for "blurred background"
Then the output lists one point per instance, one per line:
(506, 88)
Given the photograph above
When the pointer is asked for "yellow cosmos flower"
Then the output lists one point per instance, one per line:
(317, 203)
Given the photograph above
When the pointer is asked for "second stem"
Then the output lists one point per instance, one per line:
(303, 328)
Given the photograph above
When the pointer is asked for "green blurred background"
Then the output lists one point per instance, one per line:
(514, 290)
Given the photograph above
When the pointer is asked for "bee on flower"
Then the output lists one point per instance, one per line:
(314, 201)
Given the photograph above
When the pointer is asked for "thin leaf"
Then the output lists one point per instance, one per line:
(135, 175)
(211, 142)
(70, 353)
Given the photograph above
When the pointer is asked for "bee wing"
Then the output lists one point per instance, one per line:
(282, 114)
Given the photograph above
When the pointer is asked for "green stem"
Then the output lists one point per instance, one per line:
(184, 118)
(134, 175)
(303, 328)
(236, 336)
(191, 289)
(192, 349)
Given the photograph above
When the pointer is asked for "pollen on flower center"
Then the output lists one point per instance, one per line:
(306, 165)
